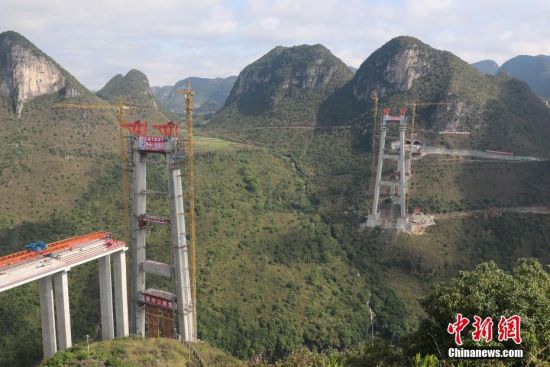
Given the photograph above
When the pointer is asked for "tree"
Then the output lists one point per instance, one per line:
(489, 291)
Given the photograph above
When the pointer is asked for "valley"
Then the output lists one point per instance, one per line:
(283, 182)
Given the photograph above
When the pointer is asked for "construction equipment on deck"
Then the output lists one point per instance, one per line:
(45, 249)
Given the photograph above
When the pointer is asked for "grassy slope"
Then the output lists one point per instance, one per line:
(138, 353)
(49, 156)
(443, 184)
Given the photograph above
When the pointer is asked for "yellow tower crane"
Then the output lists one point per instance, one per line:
(188, 95)
(120, 107)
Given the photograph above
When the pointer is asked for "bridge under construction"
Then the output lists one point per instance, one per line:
(151, 312)
(50, 264)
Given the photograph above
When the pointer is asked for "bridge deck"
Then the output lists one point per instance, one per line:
(42, 266)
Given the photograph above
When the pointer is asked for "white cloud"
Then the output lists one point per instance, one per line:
(172, 39)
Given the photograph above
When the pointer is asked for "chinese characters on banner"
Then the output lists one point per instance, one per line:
(508, 328)
(152, 144)
(157, 301)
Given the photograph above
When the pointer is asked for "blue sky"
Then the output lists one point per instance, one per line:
(172, 39)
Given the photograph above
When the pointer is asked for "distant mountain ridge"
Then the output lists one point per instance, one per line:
(210, 94)
(486, 66)
(134, 88)
(534, 70)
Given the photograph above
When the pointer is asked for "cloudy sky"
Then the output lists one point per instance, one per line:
(172, 39)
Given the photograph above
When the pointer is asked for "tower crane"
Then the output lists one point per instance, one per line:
(120, 107)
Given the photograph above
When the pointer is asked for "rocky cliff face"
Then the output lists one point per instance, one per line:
(405, 70)
(25, 72)
(393, 68)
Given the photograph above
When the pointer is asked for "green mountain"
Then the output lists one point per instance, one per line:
(286, 86)
(209, 94)
(500, 112)
(134, 87)
(486, 66)
(534, 70)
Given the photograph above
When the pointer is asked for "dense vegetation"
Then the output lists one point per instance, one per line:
(487, 290)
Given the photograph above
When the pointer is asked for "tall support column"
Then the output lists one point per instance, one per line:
(47, 316)
(180, 252)
(403, 172)
(62, 310)
(138, 241)
(379, 171)
(106, 298)
(121, 296)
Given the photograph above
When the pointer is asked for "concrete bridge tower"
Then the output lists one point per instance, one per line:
(142, 297)
(398, 189)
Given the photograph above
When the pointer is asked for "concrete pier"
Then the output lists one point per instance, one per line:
(121, 296)
(374, 216)
(62, 310)
(106, 298)
(139, 206)
(50, 270)
(181, 261)
(47, 316)
(403, 171)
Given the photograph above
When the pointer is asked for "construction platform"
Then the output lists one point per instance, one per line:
(49, 264)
